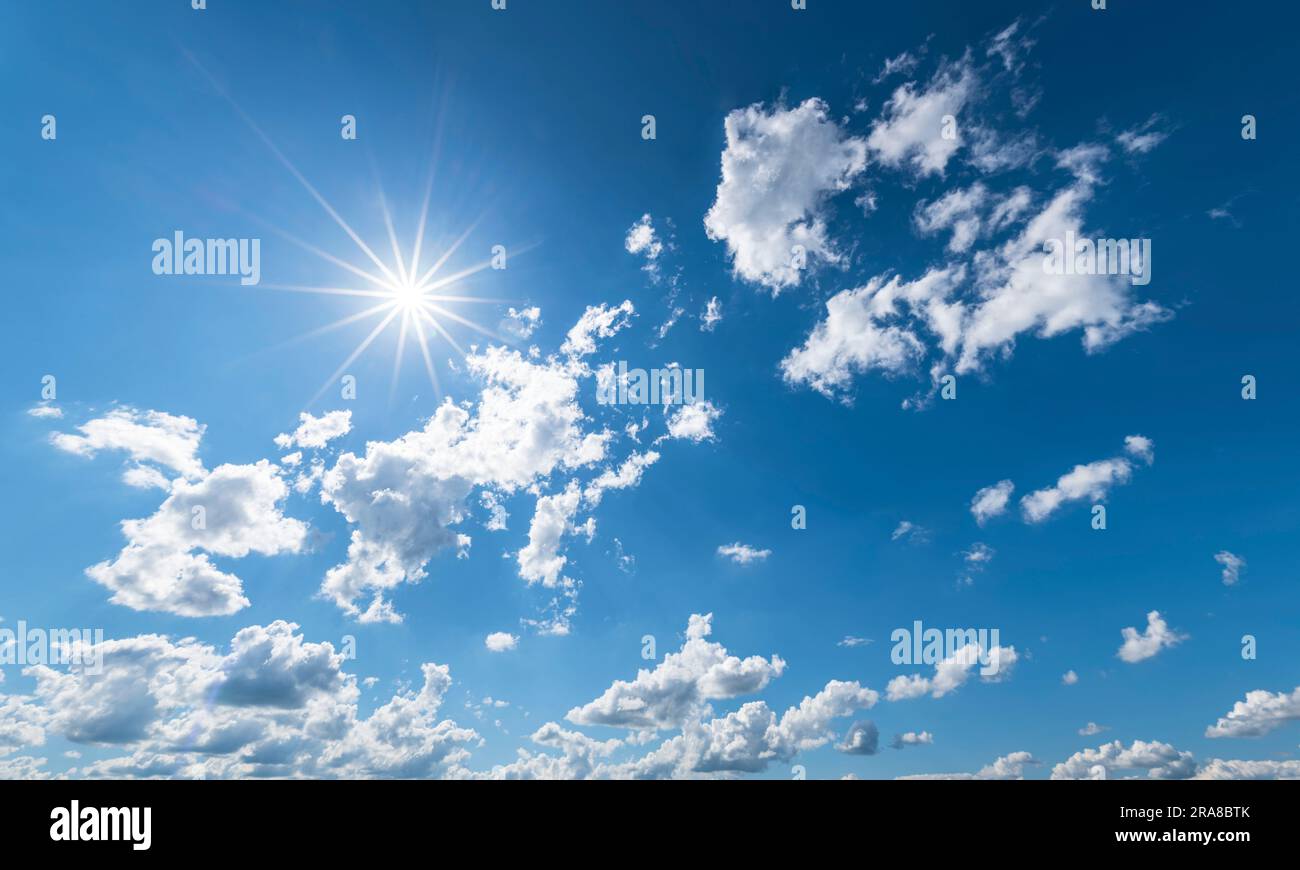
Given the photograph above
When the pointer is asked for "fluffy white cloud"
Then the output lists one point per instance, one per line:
(693, 422)
(1010, 766)
(1258, 714)
(854, 337)
(598, 321)
(146, 436)
(232, 511)
(911, 130)
(953, 672)
(45, 412)
(1091, 729)
(991, 501)
(540, 559)
(1232, 565)
(1069, 678)
(316, 432)
(743, 554)
(862, 738)
(912, 738)
(1092, 481)
(501, 641)
(274, 705)
(779, 168)
(1158, 760)
(642, 240)
(1139, 646)
(677, 687)
(1218, 768)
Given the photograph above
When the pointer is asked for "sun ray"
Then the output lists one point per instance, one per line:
(374, 333)
(428, 363)
(461, 320)
(329, 291)
(397, 357)
(288, 164)
(433, 321)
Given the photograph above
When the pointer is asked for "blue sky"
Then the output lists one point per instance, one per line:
(1125, 122)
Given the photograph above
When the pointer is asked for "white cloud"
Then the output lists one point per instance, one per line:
(693, 422)
(1091, 729)
(1143, 138)
(1158, 760)
(1258, 714)
(45, 412)
(953, 672)
(712, 315)
(1069, 678)
(674, 691)
(991, 501)
(520, 324)
(1218, 768)
(316, 432)
(1092, 481)
(852, 339)
(910, 530)
(642, 240)
(232, 511)
(1010, 766)
(1232, 565)
(743, 554)
(501, 641)
(146, 436)
(1141, 646)
(275, 705)
(851, 641)
(779, 168)
(598, 321)
(540, 559)
(910, 129)
(912, 738)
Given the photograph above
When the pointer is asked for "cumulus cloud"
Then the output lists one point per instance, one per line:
(910, 131)
(45, 411)
(501, 641)
(1140, 646)
(1092, 481)
(153, 437)
(520, 324)
(1257, 714)
(1155, 759)
(1010, 766)
(991, 501)
(274, 705)
(779, 168)
(862, 738)
(232, 511)
(598, 321)
(742, 554)
(693, 422)
(642, 240)
(316, 432)
(673, 691)
(953, 672)
(912, 738)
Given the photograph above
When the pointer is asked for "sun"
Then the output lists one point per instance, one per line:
(423, 300)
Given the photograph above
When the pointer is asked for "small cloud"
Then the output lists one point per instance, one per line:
(45, 412)
(851, 641)
(1092, 728)
(712, 315)
(1141, 646)
(501, 641)
(991, 501)
(1070, 678)
(1232, 565)
(743, 554)
(911, 531)
(912, 738)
